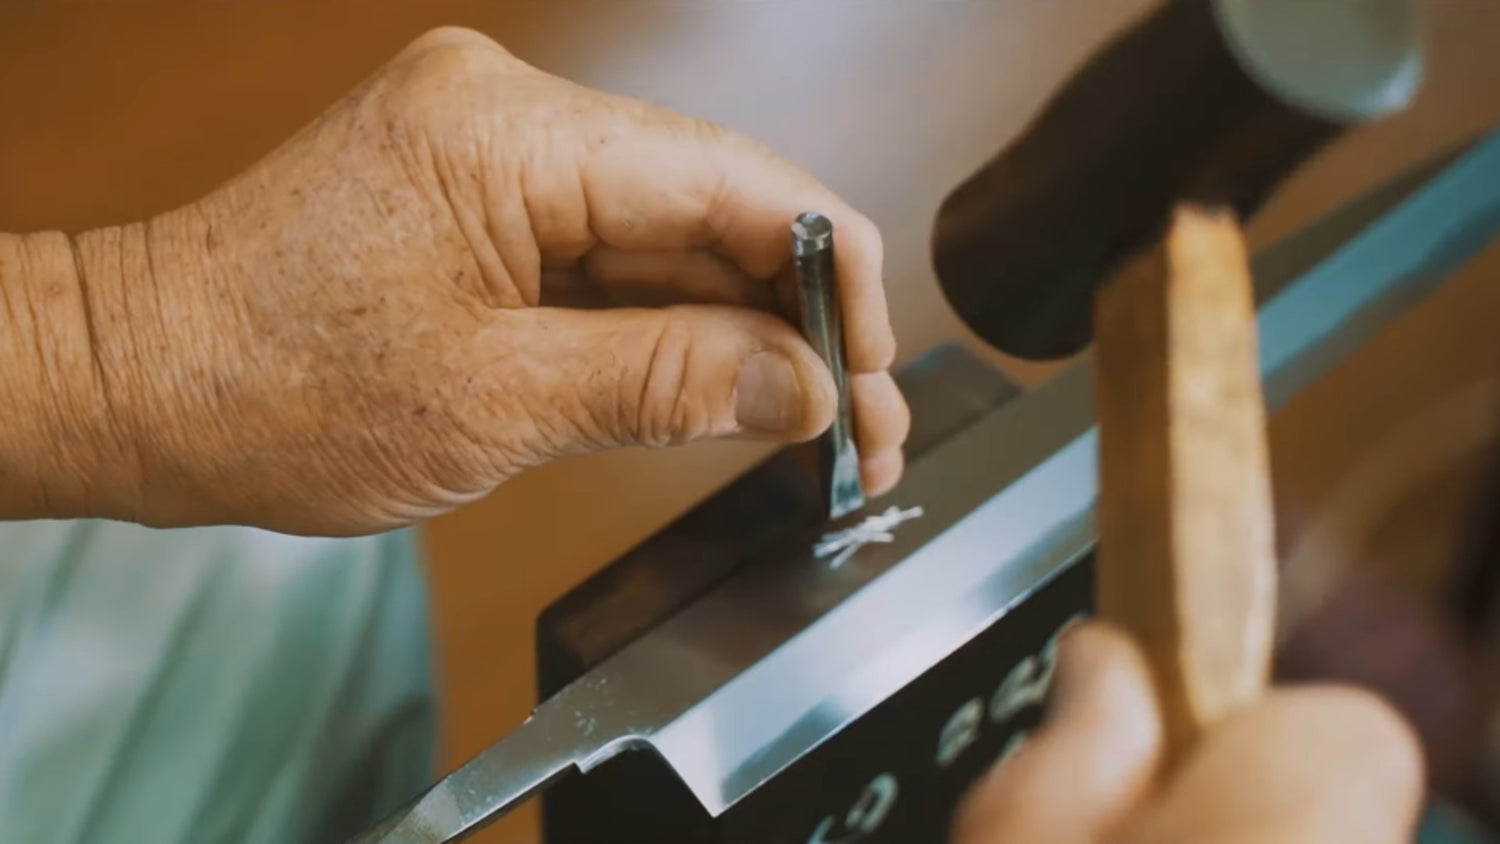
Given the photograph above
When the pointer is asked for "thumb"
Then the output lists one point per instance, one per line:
(657, 377)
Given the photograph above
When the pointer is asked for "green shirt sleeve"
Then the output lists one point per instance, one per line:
(208, 686)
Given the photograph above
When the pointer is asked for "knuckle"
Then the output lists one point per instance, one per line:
(883, 353)
(453, 38)
(660, 411)
(717, 135)
(901, 426)
(866, 234)
(721, 190)
(1362, 709)
(1388, 733)
(1371, 726)
(451, 58)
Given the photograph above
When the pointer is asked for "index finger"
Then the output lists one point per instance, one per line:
(674, 182)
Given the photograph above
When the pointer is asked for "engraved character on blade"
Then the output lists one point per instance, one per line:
(1029, 681)
(865, 816)
(961, 731)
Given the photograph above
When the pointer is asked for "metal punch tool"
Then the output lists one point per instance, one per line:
(817, 291)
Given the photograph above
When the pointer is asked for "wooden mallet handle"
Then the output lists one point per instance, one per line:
(1186, 534)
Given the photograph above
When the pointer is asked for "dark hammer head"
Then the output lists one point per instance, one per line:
(1209, 100)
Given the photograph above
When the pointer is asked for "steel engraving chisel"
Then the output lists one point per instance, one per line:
(817, 291)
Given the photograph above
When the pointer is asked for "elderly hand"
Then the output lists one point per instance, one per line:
(1311, 765)
(381, 319)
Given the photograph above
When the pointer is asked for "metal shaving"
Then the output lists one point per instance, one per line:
(844, 543)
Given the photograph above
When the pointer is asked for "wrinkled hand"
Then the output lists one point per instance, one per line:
(1312, 765)
(381, 320)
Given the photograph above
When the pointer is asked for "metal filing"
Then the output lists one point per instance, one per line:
(817, 289)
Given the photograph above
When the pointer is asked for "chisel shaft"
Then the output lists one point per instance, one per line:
(817, 289)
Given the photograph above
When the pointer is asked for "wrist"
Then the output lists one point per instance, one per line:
(63, 453)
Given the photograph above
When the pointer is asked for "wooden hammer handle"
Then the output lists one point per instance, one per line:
(1186, 535)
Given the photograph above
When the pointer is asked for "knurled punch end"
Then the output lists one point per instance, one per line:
(811, 232)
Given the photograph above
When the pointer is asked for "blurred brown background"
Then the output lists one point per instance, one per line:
(114, 110)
